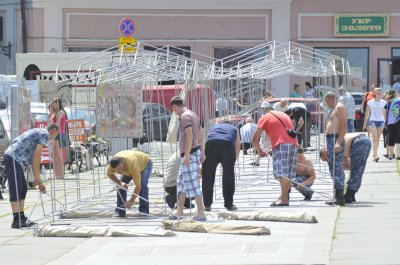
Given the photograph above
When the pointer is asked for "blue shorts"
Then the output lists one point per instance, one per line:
(377, 124)
(64, 140)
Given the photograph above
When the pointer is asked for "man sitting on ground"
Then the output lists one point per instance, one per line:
(305, 174)
(171, 175)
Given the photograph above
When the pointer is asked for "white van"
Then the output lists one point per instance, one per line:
(37, 108)
(4, 138)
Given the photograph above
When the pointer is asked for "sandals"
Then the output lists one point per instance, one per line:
(275, 204)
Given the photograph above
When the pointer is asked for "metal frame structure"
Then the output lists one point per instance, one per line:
(244, 72)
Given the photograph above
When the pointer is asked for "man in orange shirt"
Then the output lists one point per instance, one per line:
(284, 149)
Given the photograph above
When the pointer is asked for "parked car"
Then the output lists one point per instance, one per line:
(359, 117)
(156, 119)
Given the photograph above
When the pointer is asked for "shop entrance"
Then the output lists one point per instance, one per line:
(388, 72)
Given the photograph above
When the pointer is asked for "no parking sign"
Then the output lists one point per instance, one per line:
(127, 27)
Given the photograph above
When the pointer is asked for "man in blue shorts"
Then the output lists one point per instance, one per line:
(25, 150)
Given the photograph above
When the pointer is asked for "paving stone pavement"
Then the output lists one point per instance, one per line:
(336, 238)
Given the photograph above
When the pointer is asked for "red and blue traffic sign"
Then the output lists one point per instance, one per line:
(127, 27)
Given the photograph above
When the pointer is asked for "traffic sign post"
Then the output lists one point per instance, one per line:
(127, 43)
(127, 27)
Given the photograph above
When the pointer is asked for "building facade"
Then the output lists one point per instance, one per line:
(215, 29)
(364, 32)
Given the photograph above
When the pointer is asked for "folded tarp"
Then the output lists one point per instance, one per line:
(93, 213)
(200, 227)
(96, 231)
(297, 217)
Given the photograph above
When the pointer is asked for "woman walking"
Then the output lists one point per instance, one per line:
(376, 113)
(393, 123)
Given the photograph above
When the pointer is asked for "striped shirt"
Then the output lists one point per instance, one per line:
(247, 131)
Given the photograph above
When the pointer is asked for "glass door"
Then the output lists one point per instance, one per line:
(385, 73)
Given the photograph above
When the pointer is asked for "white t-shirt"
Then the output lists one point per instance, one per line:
(277, 106)
(376, 109)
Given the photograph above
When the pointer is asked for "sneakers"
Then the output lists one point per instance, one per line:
(231, 208)
(207, 208)
(24, 223)
(119, 215)
(199, 218)
(308, 197)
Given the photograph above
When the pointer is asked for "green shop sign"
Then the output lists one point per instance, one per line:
(361, 25)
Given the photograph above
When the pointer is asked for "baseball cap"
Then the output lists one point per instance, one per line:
(265, 105)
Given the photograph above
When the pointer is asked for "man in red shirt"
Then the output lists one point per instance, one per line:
(284, 148)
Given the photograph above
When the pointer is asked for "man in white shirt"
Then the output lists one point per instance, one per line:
(246, 134)
(282, 105)
(348, 101)
(221, 107)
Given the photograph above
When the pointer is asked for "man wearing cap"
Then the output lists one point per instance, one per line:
(265, 143)
(246, 134)
(284, 149)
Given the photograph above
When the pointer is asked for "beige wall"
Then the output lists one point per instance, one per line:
(312, 25)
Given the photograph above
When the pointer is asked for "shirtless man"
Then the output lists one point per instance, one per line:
(356, 153)
(336, 129)
(305, 174)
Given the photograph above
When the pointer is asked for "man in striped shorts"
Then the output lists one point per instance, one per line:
(284, 149)
(191, 148)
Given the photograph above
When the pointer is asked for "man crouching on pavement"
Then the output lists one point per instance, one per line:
(136, 166)
(305, 174)
(356, 153)
(25, 150)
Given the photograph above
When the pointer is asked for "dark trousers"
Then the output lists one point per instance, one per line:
(172, 193)
(245, 147)
(17, 185)
(219, 152)
(305, 135)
